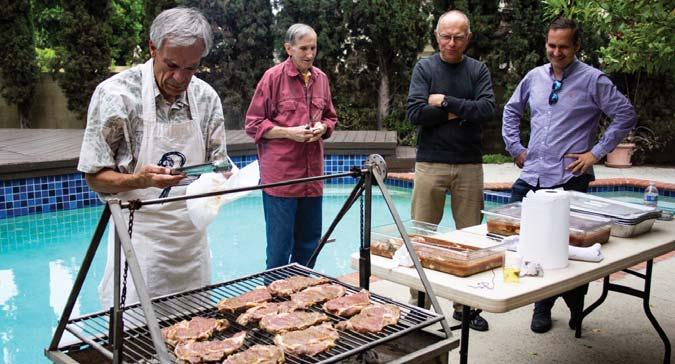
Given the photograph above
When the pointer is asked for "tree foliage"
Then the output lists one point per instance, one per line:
(86, 41)
(385, 37)
(127, 22)
(241, 53)
(639, 32)
(18, 67)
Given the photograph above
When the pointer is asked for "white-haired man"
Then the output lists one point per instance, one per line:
(289, 116)
(450, 97)
(143, 122)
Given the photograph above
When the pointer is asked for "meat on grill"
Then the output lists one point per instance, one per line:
(256, 313)
(195, 352)
(310, 341)
(318, 294)
(296, 320)
(244, 301)
(258, 354)
(285, 287)
(373, 318)
(349, 305)
(198, 328)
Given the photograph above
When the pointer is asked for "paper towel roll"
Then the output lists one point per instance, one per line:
(545, 228)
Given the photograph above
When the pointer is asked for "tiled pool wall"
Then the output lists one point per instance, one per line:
(44, 194)
(36, 195)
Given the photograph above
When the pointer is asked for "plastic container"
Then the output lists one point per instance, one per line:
(439, 248)
(651, 196)
(585, 230)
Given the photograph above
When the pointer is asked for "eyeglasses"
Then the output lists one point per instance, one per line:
(555, 88)
(456, 38)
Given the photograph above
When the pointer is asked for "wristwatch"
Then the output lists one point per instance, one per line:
(444, 104)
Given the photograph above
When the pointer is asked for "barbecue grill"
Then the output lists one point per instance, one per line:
(131, 334)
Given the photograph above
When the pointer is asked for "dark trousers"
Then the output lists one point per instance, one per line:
(293, 226)
(580, 183)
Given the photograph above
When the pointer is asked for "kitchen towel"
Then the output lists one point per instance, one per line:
(544, 228)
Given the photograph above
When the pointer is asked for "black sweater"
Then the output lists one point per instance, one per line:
(468, 88)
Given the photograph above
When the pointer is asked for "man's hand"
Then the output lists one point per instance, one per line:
(156, 176)
(520, 159)
(436, 99)
(582, 164)
(318, 130)
(300, 133)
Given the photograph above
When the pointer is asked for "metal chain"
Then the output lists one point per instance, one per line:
(123, 295)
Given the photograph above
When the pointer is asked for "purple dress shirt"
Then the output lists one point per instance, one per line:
(568, 126)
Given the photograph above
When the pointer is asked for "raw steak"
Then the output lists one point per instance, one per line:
(285, 287)
(255, 314)
(258, 354)
(296, 320)
(198, 328)
(311, 341)
(317, 294)
(373, 318)
(244, 301)
(348, 305)
(214, 350)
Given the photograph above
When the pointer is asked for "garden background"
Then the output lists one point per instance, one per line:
(55, 52)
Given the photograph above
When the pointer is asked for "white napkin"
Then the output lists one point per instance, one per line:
(203, 210)
(401, 258)
(590, 254)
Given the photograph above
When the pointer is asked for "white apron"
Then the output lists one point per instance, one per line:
(173, 255)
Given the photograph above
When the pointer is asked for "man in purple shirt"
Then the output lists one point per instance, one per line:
(565, 99)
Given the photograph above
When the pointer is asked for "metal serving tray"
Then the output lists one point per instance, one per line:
(628, 219)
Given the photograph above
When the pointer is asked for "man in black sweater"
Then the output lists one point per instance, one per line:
(450, 97)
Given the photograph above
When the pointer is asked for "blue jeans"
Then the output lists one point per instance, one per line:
(293, 226)
(520, 188)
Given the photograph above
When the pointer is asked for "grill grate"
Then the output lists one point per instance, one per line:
(138, 347)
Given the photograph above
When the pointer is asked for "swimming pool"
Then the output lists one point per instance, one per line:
(666, 203)
(41, 254)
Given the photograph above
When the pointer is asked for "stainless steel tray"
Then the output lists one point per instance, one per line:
(618, 210)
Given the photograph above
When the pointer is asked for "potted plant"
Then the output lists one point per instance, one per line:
(640, 139)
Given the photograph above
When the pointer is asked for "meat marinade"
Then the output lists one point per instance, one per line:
(349, 305)
(244, 301)
(296, 320)
(372, 318)
(195, 352)
(285, 287)
(258, 354)
(310, 341)
(318, 294)
(198, 328)
(256, 313)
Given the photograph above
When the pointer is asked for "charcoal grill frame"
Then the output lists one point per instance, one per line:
(119, 330)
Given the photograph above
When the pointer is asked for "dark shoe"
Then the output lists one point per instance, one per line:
(541, 321)
(478, 323)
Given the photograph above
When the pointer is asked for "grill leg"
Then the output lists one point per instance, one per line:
(464, 341)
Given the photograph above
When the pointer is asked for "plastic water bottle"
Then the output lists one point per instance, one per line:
(651, 196)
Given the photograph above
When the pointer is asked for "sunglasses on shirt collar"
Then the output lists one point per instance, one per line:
(555, 88)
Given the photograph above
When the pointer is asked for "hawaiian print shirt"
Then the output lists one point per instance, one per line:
(114, 130)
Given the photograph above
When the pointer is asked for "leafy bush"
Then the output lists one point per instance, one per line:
(496, 159)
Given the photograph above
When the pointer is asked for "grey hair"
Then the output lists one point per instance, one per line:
(297, 31)
(183, 26)
(455, 12)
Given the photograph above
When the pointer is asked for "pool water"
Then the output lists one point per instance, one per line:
(666, 203)
(40, 256)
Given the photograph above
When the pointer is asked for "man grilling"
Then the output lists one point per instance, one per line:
(143, 122)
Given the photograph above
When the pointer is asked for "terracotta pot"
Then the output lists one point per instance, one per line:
(620, 156)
